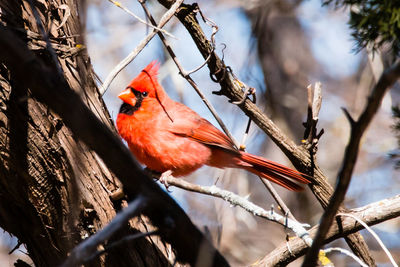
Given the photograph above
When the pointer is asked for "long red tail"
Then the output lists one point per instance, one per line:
(274, 172)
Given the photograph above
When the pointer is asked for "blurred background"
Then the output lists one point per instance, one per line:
(277, 47)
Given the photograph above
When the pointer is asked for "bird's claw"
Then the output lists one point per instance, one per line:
(163, 179)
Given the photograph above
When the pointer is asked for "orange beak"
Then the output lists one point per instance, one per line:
(128, 97)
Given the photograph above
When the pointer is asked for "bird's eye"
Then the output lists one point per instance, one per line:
(145, 94)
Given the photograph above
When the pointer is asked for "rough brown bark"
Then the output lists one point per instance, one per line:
(53, 190)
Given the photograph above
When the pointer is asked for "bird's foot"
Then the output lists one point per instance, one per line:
(163, 179)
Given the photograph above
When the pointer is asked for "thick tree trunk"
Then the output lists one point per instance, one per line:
(53, 191)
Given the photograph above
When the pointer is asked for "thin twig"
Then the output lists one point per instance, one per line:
(19, 243)
(88, 247)
(118, 4)
(277, 198)
(165, 18)
(373, 234)
(186, 75)
(350, 157)
(247, 91)
(214, 28)
(347, 253)
(236, 200)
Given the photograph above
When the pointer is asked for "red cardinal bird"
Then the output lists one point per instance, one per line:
(168, 136)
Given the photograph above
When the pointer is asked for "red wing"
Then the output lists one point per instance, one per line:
(202, 131)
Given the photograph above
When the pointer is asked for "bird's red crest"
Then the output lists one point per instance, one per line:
(146, 78)
(152, 68)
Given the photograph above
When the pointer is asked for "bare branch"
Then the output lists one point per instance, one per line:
(118, 4)
(67, 14)
(371, 214)
(349, 117)
(277, 198)
(387, 79)
(165, 18)
(247, 205)
(251, 91)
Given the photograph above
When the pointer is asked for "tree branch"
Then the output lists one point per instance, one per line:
(371, 214)
(387, 79)
(155, 28)
(236, 200)
(165, 18)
